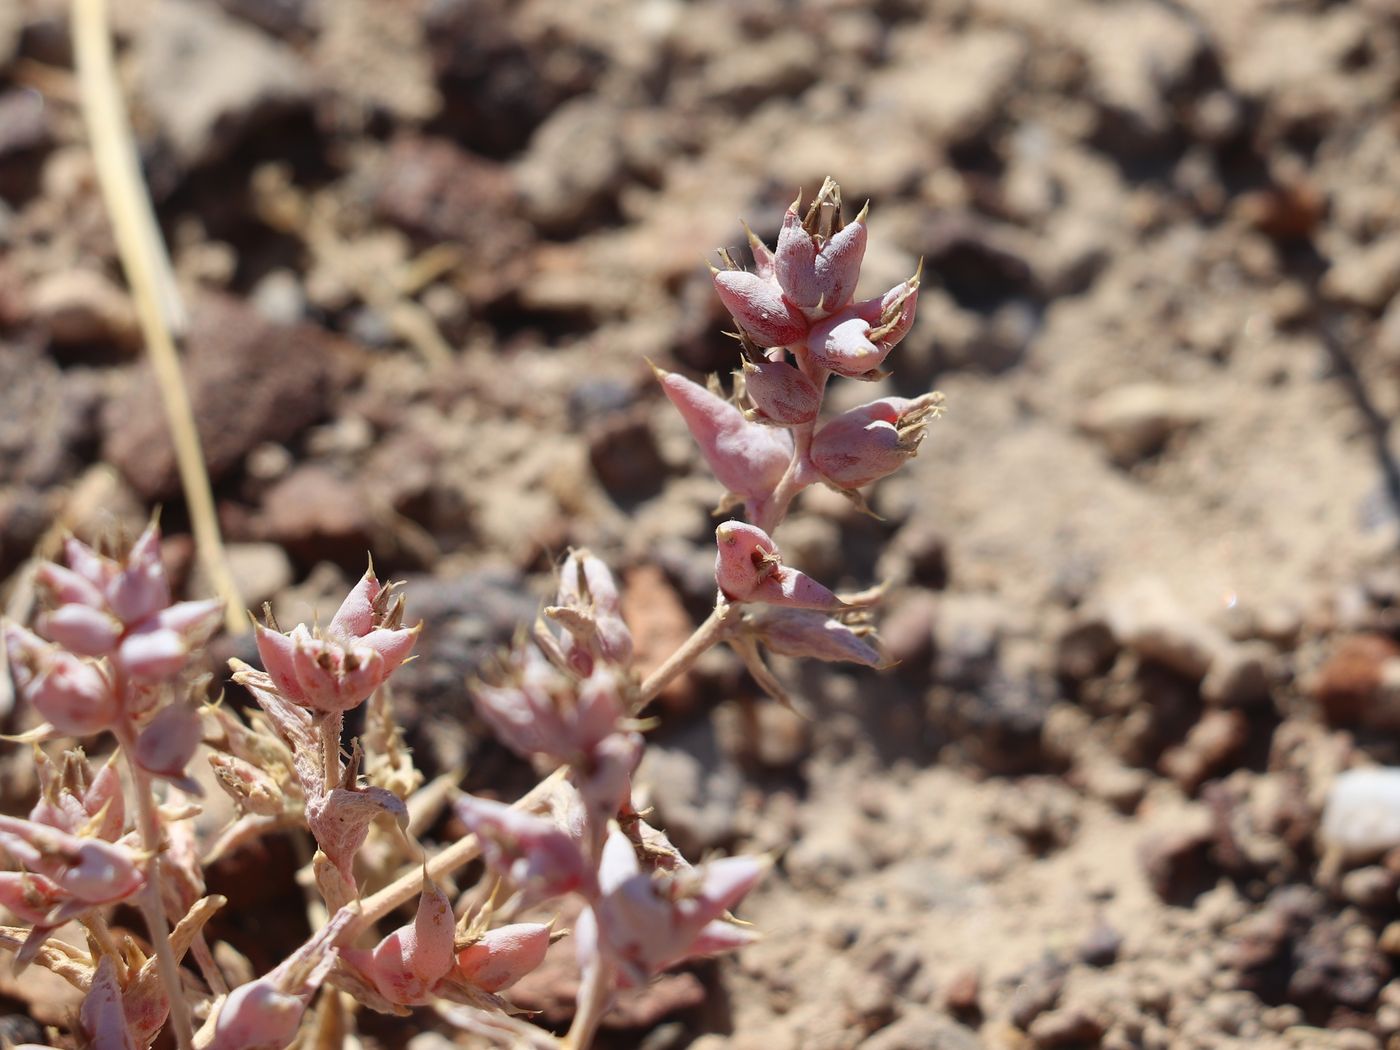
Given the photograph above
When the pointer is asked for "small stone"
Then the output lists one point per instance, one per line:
(1210, 744)
(432, 188)
(660, 625)
(208, 80)
(250, 382)
(1136, 421)
(626, 458)
(1240, 676)
(907, 631)
(1349, 682)
(279, 298)
(1369, 887)
(1067, 1027)
(261, 571)
(1085, 650)
(24, 123)
(1101, 946)
(1362, 815)
(573, 168)
(923, 1030)
(1175, 856)
(1146, 618)
(963, 993)
(315, 513)
(1389, 941)
(84, 307)
(1038, 989)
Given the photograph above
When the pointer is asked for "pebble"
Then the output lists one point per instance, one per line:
(83, 307)
(1349, 684)
(695, 787)
(261, 571)
(1146, 618)
(208, 80)
(1175, 856)
(1361, 817)
(1241, 675)
(1368, 276)
(1037, 990)
(285, 379)
(1136, 421)
(571, 172)
(1066, 1027)
(1101, 946)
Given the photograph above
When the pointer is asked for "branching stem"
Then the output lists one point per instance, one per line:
(152, 907)
(707, 635)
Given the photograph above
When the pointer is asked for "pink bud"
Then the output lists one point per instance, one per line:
(746, 557)
(748, 568)
(91, 566)
(99, 872)
(500, 957)
(819, 276)
(66, 587)
(760, 308)
(748, 459)
(140, 589)
(168, 743)
(81, 629)
(781, 393)
(856, 341)
(276, 650)
(258, 1016)
(872, 441)
(407, 964)
(803, 633)
(72, 696)
(355, 617)
(101, 1017)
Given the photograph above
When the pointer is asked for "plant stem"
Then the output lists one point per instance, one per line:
(147, 266)
(593, 996)
(152, 907)
(330, 727)
(708, 634)
(793, 481)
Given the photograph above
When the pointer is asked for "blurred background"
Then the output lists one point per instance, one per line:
(1143, 572)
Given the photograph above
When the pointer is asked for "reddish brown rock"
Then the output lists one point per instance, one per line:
(250, 382)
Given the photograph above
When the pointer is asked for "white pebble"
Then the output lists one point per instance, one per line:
(1362, 815)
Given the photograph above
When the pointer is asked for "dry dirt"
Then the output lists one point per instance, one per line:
(1144, 588)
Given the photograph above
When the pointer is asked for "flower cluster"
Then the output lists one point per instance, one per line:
(799, 324)
(110, 656)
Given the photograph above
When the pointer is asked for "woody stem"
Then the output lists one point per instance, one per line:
(708, 634)
(152, 909)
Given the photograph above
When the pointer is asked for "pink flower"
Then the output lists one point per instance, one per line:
(168, 743)
(749, 568)
(748, 459)
(74, 696)
(101, 1017)
(536, 710)
(86, 871)
(75, 800)
(122, 610)
(647, 921)
(874, 440)
(338, 670)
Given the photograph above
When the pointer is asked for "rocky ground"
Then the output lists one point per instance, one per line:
(1144, 582)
